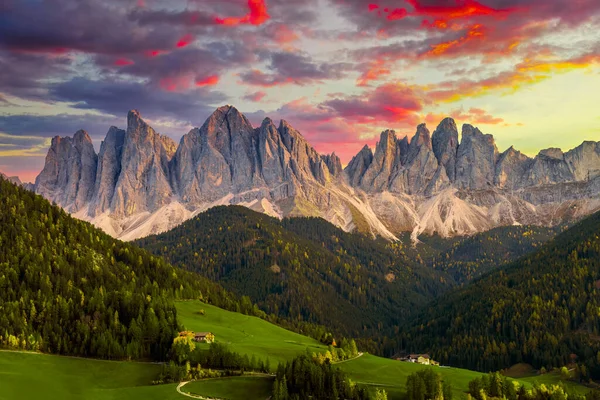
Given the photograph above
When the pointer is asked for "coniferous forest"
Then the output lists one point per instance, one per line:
(302, 268)
(542, 309)
(68, 288)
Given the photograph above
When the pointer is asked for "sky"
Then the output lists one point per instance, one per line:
(339, 71)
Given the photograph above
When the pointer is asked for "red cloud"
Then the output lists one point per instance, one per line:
(391, 103)
(256, 96)
(475, 32)
(121, 62)
(461, 9)
(154, 53)
(208, 81)
(257, 16)
(184, 41)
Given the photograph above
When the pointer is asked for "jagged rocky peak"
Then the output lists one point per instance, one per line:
(12, 179)
(108, 170)
(386, 156)
(475, 159)
(334, 164)
(418, 172)
(511, 168)
(552, 152)
(548, 167)
(143, 183)
(69, 171)
(422, 137)
(358, 165)
(445, 145)
(584, 160)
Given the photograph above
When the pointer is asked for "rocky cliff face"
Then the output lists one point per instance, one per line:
(142, 183)
(69, 172)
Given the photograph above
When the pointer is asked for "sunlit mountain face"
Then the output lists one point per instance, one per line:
(342, 71)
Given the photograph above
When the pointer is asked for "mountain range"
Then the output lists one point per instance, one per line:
(142, 183)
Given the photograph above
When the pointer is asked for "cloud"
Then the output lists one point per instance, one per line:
(255, 96)
(391, 103)
(256, 16)
(118, 97)
(293, 67)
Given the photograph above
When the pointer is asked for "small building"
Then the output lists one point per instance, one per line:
(423, 359)
(206, 337)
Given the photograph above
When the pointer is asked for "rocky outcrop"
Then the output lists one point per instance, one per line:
(511, 169)
(356, 168)
(475, 159)
(548, 167)
(445, 146)
(584, 160)
(109, 170)
(143, 183)
(386, 158)
(12, 179)
(418, 172)
(69, 172)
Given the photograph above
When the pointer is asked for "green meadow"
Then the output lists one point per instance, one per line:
(237, 388)
(40, 376)
(35, 376)
(245, 334)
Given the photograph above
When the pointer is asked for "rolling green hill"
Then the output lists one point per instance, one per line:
(541, 309)
(245, 334)
(33, 376)
(68, 288)
(302, 269)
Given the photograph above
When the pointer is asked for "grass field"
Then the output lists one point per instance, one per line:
(392, 374)
(237, 388)
(245, 334)
(250, 335)
(39, 376)
(36, 376)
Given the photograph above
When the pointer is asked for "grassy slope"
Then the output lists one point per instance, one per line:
(39, 376)
(251, 335)
(237, 388)
(34, 376)
(245, 334)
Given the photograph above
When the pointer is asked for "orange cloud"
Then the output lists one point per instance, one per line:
(257, 16)
(376, 70)
(526, 73)
(475, 32)
(208, 81)
(476, 116)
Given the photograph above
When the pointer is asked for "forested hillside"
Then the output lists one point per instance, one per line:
(68, 288)
(302, 269)
(542, 309)
(470, 257)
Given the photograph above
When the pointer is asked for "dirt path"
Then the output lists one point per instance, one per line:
(199, 397)
(193, 396)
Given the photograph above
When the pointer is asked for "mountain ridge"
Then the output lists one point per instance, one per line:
(142, 183)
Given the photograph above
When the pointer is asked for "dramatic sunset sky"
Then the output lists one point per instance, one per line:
(340, 71)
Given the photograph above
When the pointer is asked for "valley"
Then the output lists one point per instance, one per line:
(59, 377)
